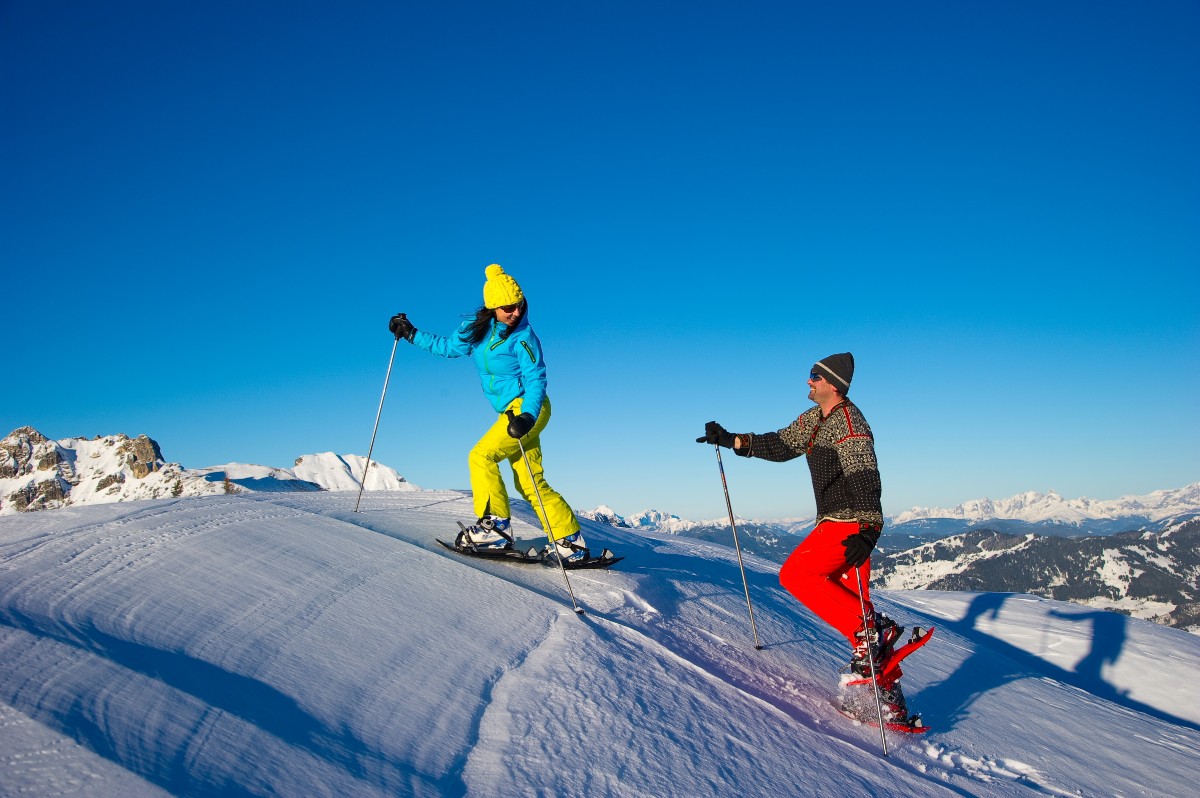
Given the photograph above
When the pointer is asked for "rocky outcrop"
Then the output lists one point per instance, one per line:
(37, 473)
(142, 455)
(24, 450)
(40, 495)
(110, 481)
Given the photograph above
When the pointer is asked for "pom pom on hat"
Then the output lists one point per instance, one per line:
(500, 289)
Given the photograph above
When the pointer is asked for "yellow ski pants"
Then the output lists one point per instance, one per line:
(487, 487)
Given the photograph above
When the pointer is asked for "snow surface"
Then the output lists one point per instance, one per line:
(281, 644)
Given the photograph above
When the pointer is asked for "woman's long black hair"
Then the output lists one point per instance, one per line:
(483, 322)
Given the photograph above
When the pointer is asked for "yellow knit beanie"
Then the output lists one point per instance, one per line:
(500, 289)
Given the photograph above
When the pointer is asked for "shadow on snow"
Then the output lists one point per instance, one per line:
(952, 697)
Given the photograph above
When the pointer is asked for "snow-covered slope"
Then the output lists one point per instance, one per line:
(324, 471)
(279, 643)
(344, 472)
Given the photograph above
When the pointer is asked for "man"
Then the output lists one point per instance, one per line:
(825, 570)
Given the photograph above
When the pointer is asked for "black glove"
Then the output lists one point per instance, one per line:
(715, 433)
(401, 327)
(519, 426)
(860, 545)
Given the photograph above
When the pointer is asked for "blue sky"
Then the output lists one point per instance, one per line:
(211, 209)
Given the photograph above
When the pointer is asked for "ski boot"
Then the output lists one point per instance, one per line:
(875, 643)
(489, 533)
(571, 549)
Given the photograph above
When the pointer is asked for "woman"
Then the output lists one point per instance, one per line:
(508, 355)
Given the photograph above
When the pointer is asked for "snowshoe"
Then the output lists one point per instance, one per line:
(889, 671)
(574, 555)
(857, 702)
(465, 543)
(895, 712)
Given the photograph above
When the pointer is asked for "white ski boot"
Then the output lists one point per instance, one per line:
(571, 549)
(489, 533)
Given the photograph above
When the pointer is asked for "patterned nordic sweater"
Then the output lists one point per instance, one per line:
(841, 459)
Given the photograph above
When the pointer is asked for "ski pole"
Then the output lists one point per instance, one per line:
(737, 546)
(538, 492)
(362, 483)
(868, 628)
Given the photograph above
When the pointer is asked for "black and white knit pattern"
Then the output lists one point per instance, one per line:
(841, 459)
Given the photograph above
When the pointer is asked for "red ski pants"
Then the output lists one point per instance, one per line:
(816, 573)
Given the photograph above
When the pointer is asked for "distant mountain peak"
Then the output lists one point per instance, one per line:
(1035, 507)
(37, 473)
(655, 520)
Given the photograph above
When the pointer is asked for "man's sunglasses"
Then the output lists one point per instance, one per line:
(814, 376)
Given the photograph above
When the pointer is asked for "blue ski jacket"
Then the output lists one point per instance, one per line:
(508, 367)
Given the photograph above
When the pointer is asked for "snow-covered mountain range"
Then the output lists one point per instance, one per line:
(1048, 513)
(275, 643)
(671, 524)
(1050, 508)
(37, 473)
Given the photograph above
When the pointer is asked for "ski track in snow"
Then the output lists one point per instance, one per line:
(299, 647)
